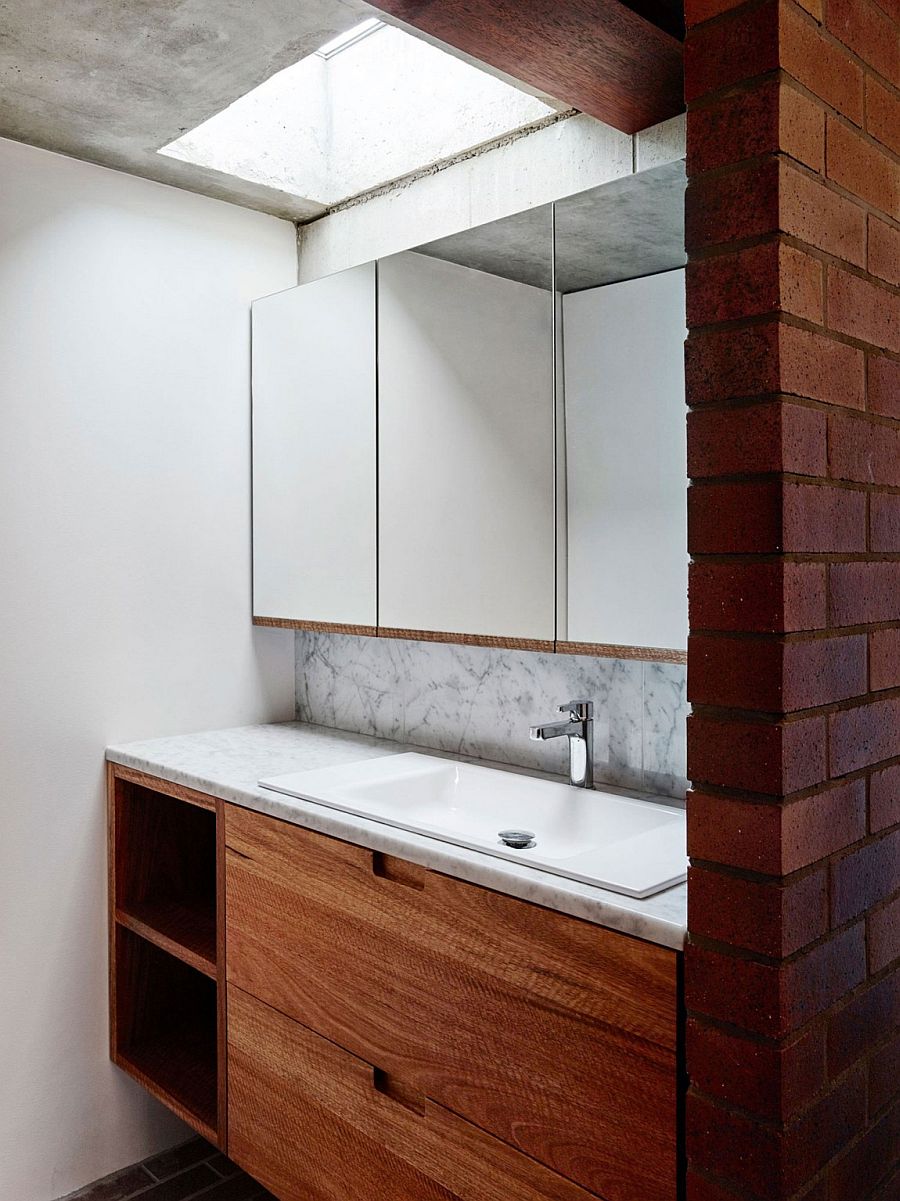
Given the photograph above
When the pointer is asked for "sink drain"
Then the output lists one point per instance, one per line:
(519, 840)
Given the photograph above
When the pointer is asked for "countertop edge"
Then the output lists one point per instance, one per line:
(626, 915)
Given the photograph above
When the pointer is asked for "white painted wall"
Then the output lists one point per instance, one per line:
(125, 601)
(465, 435)
(625, 461)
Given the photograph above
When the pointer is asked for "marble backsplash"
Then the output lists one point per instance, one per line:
(478, 701)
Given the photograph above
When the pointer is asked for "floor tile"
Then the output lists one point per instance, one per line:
(120, 1186)
(176, 1159)
(183, 1187)
(219, 1163)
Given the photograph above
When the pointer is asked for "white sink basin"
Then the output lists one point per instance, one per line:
(628, 846)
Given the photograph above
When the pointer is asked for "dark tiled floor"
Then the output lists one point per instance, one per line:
(193, 1170)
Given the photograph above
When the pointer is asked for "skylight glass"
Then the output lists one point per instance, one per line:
(368, 108)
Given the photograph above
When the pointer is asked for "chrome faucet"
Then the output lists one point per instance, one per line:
(579, 730)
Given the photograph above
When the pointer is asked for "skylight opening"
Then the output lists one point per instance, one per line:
(357, 114)
(345, 40)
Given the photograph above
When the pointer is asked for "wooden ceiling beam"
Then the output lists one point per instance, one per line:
(598, 56)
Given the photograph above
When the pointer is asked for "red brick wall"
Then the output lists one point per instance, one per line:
(792, 974)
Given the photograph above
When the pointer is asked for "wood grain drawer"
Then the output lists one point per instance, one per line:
(549, 1033)
(314, 1123)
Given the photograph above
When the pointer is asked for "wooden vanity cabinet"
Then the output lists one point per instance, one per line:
(348, 1025)
(448, 1037)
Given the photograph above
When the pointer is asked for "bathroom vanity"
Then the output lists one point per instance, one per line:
(350, 1010)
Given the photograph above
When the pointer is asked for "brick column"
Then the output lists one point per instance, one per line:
(792, 975)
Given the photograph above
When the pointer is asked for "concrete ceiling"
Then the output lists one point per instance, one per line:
(112, 81)
(630, 227)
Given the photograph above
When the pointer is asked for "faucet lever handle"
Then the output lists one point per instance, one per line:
(578, 710)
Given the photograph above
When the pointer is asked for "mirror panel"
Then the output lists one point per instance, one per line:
(314, 452)
(466, 454)
(623, 455)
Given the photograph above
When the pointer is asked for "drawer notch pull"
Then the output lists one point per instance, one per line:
(398, 871)
(396, 1090)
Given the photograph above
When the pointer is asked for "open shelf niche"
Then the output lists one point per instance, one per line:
(167, 980)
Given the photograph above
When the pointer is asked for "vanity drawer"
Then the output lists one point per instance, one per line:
(554, 1035)
(314, 1123)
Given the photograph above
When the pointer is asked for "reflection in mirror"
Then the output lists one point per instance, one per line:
(620, 281)
(466, 463)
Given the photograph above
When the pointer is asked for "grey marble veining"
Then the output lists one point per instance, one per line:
(665, 729)
(228, 763)
(480, 701)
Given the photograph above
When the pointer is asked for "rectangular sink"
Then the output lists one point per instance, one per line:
(629, 846)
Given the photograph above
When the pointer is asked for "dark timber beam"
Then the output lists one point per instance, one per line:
(598, 56)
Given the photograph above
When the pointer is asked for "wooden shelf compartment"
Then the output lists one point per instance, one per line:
(164, 1029)
(165, 874)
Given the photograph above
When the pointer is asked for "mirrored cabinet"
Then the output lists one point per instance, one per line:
(315, 453)
(483, 439)
(623, 454)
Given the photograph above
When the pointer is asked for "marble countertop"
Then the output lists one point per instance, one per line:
(228, 763)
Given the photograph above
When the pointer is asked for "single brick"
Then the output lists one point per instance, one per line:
(740, 204)
(773, 117)
(816, 62)
(883, 386)
(863, 309)
(817, 519)
(776, 839)
(737, 48)
(884, 656)
(884, 249)
(860, 166)
(763, 597)
(776, 758)
(865, 878)
(774, 436)
(883, 114)
(772, 357)
(864, 451)
(884, 936)
(884, 1069)
(814, 213)
(869, 32)
(885, 524)
(864, 736)
(884, 799)
(863, 593)
(769, 278)
(774, 676)
(815, 365)
(774, 918)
